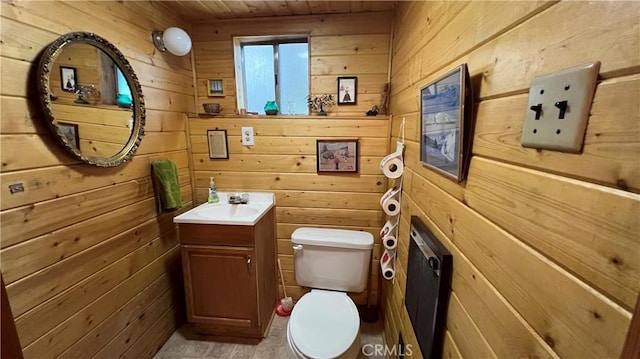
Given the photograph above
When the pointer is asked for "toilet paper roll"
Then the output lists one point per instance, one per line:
(391, 207)
(390, 242)
(391, 192)
(392, 165)
(388, 228)
(387, 265)
(392, 168)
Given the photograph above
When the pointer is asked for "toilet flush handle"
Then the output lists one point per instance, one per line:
(297, 247)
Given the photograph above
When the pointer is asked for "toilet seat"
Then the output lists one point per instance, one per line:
(324, 324)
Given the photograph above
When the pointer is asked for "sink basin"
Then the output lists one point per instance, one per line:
(233, 214)
(227, 211)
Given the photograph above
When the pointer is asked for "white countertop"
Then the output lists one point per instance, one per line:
(231, 214)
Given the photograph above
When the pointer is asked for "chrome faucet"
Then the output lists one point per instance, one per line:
(238, 198)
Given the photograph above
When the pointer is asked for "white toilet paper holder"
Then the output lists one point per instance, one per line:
(392, 197)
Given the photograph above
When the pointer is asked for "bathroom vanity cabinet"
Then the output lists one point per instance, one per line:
(230, 276)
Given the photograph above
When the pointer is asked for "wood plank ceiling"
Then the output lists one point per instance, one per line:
(202, 11)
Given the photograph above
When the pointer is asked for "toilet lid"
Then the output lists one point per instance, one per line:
(324, 324)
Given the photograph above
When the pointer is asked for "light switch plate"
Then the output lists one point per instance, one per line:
(247, 136)
(572, 88)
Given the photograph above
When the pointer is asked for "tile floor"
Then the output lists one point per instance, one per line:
(184, 344)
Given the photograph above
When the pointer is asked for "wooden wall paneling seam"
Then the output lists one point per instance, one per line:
(469, 339)
(496, 72)
(349, 44)
(73, 328)
(259, 181)
(611, 140)
(157, 335)
(31, 151)
(326, 199)
(450, 349)
(158, 292)
(49, 314)
(36, 288)
(43, 184)
(554, 215)
(129, 335)
(191, 162)
(482, 240)
(93, 203)
(487, 24)
(619, 27)
(372, 146)
(491, 312)
(30, 256)
(318, 25)
(32, 27)
(346, 127)
(40, 17)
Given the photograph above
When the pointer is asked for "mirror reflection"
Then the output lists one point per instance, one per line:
(91, 101)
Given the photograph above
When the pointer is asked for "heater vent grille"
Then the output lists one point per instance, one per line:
(428, 286)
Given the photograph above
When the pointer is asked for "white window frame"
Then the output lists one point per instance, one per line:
(238, 60)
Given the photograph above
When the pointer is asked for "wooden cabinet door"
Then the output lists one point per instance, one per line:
(220, 285)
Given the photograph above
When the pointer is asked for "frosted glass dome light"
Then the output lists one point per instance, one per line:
(174, 39)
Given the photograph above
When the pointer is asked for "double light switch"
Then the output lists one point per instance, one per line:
(558, 109)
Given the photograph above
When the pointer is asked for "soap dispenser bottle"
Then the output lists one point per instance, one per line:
(213, 193)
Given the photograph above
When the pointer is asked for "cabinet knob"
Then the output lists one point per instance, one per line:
(249, 264)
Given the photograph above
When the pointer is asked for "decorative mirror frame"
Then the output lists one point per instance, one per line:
(45, 67)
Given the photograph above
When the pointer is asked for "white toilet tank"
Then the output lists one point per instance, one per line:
(333, 259)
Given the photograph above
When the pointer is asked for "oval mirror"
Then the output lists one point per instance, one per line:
(91, 98)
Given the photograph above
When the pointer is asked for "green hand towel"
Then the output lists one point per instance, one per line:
(167, 185)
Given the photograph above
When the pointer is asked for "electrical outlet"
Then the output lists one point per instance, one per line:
(247, 136)
(558, 109)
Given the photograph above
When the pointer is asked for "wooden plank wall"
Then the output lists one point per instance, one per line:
(90, 268)
(339, 45)
(283, 159)
(546, 245)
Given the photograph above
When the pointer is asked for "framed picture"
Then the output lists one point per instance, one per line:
(68, 78)
(215, 88)
(218, 146)
(347, 90)
(337, 156)
(445, 110)
(70, 132)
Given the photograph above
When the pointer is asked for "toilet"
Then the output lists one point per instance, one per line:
(325, 323)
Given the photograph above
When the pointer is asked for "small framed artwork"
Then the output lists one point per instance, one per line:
(347, 90)
(70, 133)
(218, 146)
(446, 123)
(68, 78)
(337, 156)
(215, 88)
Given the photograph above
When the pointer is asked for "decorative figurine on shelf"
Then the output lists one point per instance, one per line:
(87, 94)
(318, 103)
(373, 111)
(271, 108)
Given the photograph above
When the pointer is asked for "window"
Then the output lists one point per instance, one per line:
(272, 68)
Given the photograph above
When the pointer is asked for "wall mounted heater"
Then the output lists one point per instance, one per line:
(429, 273)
